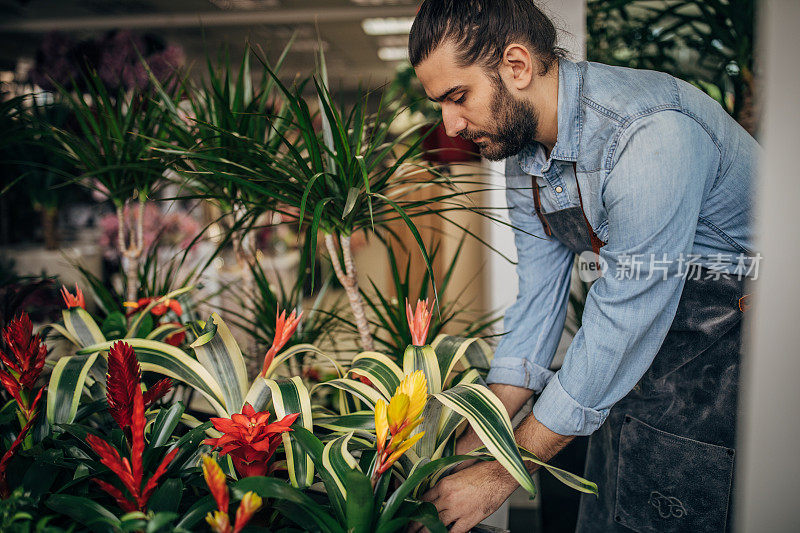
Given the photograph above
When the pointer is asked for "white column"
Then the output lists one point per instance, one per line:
(768, 466)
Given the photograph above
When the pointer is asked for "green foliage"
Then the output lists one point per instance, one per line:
(392, 332)
(706, 42)
(112, 146)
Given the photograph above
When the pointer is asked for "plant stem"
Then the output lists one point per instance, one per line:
(131, 251)
(349, 281)
(246, 258)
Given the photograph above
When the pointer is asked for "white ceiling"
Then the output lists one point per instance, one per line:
(200, 25)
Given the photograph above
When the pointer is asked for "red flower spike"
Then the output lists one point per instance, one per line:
(4, 490)
(137, 435)
(130, 474)
(122, 382)
(217, 483)
(25, 362)
(250, 439)
(152, 483)
(73, 301)
(284, 329)
(157, 391)
(418, 322)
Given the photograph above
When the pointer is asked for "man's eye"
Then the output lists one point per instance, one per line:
(461, 99)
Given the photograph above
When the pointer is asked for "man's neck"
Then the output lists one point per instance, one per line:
(547, 106)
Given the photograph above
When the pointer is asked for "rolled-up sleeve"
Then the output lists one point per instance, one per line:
(653, 196)
(535, 321)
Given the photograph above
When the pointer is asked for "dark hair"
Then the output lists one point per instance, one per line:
(482, 29)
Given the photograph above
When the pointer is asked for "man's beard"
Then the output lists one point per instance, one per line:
(517, 124)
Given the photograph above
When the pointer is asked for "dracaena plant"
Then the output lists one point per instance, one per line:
(112, 148)
(351, 176)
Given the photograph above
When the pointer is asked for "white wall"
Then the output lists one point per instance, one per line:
(768, 467)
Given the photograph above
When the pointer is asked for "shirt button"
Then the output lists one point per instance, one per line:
(559, 189)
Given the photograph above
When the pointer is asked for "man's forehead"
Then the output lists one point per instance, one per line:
(441, 75)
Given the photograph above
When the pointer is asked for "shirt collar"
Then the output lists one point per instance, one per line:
(570, 84)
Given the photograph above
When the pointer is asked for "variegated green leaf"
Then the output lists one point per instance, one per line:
(339, 461)
(363, 421)
(82, 327)
(356, 388)
(165, 330)
(173, 362)
(567, 478)
(450, 420)
(489, 419)
(449, 351)
(384, 373)
(61, 330)
(291, 396)
(423, 358)
(66, 386)
(259, 395)
(296, 350)
(217, 351)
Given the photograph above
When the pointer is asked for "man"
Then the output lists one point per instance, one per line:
(652, 180)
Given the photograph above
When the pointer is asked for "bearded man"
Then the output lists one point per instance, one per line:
(649, 178)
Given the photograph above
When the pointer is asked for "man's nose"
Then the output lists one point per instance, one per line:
(453, 122)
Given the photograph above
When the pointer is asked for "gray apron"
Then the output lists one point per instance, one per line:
(663, 460)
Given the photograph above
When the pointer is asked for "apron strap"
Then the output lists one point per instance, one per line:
(595, 241)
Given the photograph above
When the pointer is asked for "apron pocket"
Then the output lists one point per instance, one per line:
(668, 483)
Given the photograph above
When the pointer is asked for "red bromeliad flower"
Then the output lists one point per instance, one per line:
(249, 439)
(130, 472)
(158, 310)
(418, 322)
(122, 384)
(24, 365)
(284, 329)
(73, 301)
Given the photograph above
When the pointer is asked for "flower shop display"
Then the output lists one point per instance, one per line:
(141, 416)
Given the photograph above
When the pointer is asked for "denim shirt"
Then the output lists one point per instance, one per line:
(666, 178)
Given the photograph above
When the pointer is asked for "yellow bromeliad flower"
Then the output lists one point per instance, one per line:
(395, 422)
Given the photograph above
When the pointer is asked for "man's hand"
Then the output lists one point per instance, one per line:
(465, 498)
(470, 495)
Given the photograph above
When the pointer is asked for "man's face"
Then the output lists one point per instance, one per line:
(476, 105)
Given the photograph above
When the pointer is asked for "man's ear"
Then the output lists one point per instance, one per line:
(516, 67)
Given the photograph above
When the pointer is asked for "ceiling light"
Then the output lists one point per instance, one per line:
(387, 26)
(393, 53)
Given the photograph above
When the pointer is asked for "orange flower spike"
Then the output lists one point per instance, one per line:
(419, 322)
(216, 481)
(284, 329)
(219, 522)
(250, 504)
(73, 301)
(381, 424)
